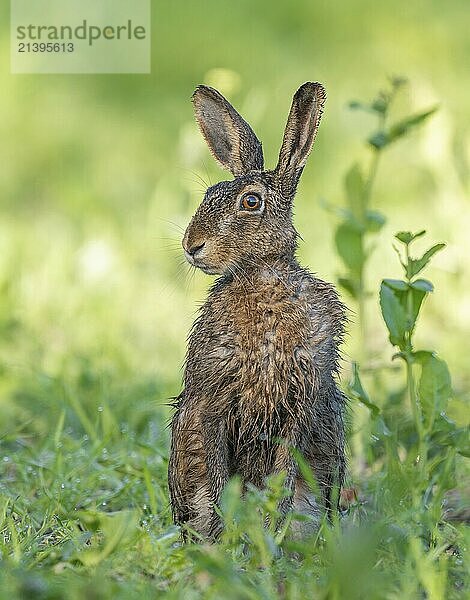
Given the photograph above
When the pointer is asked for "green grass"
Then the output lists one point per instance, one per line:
(86, 515)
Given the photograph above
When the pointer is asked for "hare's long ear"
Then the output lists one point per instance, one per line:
(301, 128)
(229, 137)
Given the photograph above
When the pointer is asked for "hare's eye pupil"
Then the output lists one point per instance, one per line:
(251, 202)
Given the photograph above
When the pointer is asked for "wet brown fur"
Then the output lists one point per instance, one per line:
(262, 360)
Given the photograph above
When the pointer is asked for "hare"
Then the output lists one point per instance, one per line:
(263, 354)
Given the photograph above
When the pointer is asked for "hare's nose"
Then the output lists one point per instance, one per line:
(196, 249)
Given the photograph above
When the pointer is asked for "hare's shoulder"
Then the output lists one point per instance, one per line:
(322, 299)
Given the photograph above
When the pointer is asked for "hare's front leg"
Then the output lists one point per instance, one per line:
(197, 472)
(285, 462)
(217, 467)
(187, 477)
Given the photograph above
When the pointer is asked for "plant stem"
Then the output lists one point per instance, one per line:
(370, 180)
(372, 175)
(411, 386)
(362, 292)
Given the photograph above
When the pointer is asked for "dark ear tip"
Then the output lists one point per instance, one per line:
(311, 90)
(205, 90)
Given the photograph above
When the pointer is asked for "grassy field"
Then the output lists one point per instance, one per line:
(99, 176)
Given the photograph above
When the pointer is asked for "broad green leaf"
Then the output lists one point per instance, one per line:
(394, 315)
(446, 433)
(434, 387)
(357, 391)
(417, 235)
(349, 285)
(378, 140)
(354, 186)
(383, 138)
(374, 221)
(356, 105)
(417, 297)
(410, 299)
(461, 441)
(349, 244)
(422, 284)
(417, 264)
(339, 211)
(380, 105)
(396, 284)
(421, 356)
(404, 236)
(402, 127)
(407, 237)
(398, 81)
(382, 428)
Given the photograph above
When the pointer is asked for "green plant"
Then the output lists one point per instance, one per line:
(401, 301)
(419, 457)
(358, 220)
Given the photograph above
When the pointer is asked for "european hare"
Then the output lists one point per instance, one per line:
(263, 354)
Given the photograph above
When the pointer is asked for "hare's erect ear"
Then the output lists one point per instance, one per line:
(229, 137)
(301, 128)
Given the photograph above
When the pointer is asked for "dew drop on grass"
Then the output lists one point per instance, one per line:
(100, 409)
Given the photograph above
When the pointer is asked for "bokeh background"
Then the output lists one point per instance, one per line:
(99, 175)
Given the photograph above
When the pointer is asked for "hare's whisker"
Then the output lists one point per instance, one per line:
(204, 164)
(172, 223)
(197, 178)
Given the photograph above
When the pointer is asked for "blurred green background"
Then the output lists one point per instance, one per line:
(99, 175)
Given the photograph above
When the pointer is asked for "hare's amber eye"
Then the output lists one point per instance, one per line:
(250, 202)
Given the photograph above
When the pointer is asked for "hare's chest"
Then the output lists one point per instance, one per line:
(247, 349)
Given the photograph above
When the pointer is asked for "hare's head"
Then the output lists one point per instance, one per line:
(247, 222)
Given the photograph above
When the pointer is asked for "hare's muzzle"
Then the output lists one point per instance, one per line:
(193, 248)
(193, 252)
(196, 255)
